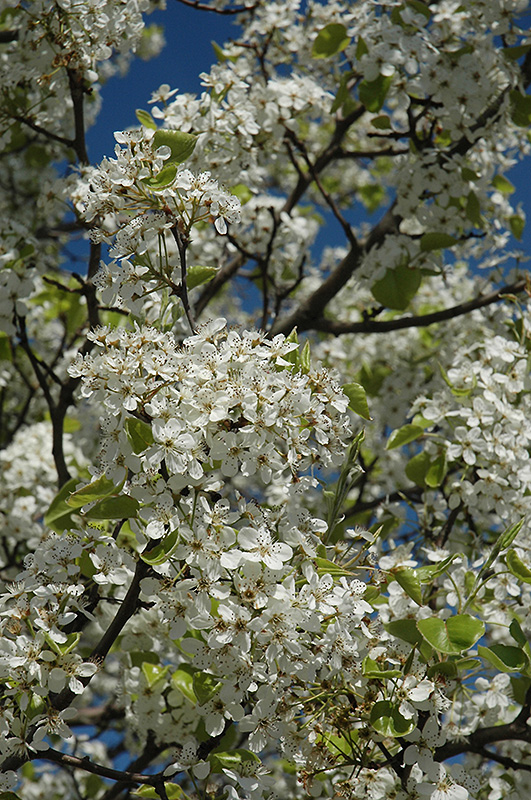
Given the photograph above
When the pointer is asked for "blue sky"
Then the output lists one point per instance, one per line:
(187, 53)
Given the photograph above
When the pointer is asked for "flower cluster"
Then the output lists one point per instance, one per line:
(150, 195)
(222, 398)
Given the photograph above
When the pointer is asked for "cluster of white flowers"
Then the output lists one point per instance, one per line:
(221, 398)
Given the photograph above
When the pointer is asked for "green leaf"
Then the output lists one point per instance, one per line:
(419, 7)
(519, 687)
(59, 514)
(382, 122)
(469, 174)
(452, 636)
(343, 98)
(205, 687)
(520, 108)
(101, 487)
(517, 567)
(139, 434)
(233, 759)
(397, 287)
(417, 469)
(508, 536)
(154, 673)
(387, 720)
(326, 567)
(197, 275)
(371, 195)
(473, 209)
(162, 551)
(373, 93)
(517, 633)
(330, 40)
(183, 679)
(371, 669)
(436, 472)
(162, 179)
(436, 241)
(517, 225)
(503, 184)
(145, 119)
(361, 48)
(409, 582)
(172, 791)
(448, 669)
(405, 629)
(9, 796)
(242, 192)
(121, 507)
(181, 144)
(505, 657)
(514, 53)
(403, 435)
(218, 52)
(306, 358)
(428, 573)
(357, 399)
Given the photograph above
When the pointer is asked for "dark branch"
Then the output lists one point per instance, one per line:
(204, 7)
(336, 327)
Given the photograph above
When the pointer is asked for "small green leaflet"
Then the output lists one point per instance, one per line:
(397, 287)
(436, 241)
(139, 434)
(205, 687)
(371, 669)
(520, 108)
(387, 720)
(233, 759)
(403, 435)
(121, 507)
(162, 551)
(517, 225)
(59, 515)
(409, 582)
(101, 487)
(330, 40)
(517, 567)
(145, 119)
(183, 679)
(162, 179)
(505, 657)
(181, 144)
(373, 93)
(198, 275)
(357, 399)
(173, 792)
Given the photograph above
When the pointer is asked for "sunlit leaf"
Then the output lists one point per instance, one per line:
(453, 635)
(330, 40)
(357, 399)
(181, 144)
(387, 720)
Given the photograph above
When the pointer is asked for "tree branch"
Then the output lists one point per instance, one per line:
(204, 7)
(336, 327)
(87, 765)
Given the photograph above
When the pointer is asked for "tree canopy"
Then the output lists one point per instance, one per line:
(265, 408)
